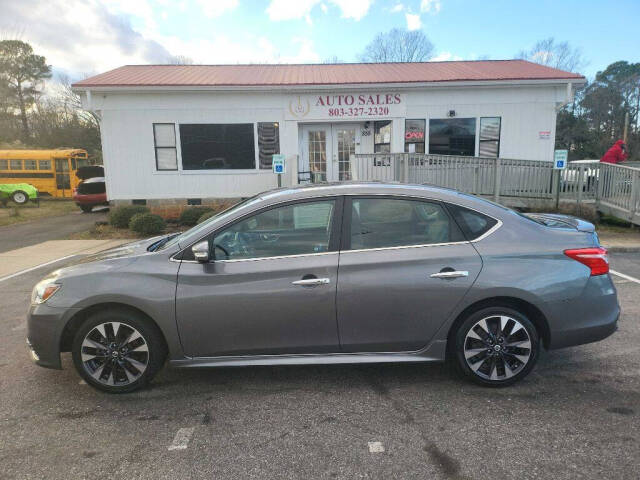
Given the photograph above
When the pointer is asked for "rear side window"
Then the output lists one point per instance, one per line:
(389, 222)
(473, 224)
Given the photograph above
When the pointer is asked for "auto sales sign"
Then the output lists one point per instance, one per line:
(345, 106)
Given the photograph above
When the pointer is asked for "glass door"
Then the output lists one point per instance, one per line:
(344, 141)
(63, 180)
(317, 151)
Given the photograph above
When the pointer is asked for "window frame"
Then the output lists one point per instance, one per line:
(390, 124)
(479, 135)
(476, 135)
(257, 144)
(345, 243)
(424, 139)
(334, 235)
(174, 148)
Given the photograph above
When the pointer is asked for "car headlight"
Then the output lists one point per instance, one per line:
(44, 290)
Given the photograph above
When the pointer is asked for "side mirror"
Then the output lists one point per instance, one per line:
(201, 251)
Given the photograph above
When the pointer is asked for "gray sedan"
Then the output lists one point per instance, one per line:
(345, 273)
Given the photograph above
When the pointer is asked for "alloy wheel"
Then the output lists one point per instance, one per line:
(19, 197)
(114, 354)
(497, 347)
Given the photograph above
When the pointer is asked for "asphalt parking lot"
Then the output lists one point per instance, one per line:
(576, 416)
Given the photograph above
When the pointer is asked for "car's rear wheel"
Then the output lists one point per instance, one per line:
(86, 208)
(118, 351)
(496, 346)
(20, 197)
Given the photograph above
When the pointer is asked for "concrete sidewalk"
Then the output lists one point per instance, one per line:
(25, 258)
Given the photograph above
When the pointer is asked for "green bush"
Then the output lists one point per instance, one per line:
(191, 215)
(120, 217)
(207, 216)
(147, 224)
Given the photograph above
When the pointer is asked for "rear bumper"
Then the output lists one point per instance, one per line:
(588, 318)
(92, 199)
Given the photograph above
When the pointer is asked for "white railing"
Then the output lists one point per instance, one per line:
(582, 181)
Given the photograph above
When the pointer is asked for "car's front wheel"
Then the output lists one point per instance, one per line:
(496, 346)
(118, 351)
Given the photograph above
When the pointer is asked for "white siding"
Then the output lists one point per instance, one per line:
(129, 156)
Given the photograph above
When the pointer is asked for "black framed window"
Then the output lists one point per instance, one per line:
(490, 136)
(44, 164)
(30, 165)
(382, 136)
(15, 164)
(452, 136)
(268, 143)
(164, 139)
(4, 164)
(414, 134)
(217, 146)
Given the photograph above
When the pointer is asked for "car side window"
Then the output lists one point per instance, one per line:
(391, 222)
(295, 229)
(473, 224)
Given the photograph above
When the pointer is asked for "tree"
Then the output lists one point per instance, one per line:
(23, 72)
(398, 46)
(179, 60)
(554, 54)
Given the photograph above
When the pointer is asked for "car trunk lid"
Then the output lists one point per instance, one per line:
(555, 220)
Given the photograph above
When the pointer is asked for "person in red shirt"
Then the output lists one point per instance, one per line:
(616, 154)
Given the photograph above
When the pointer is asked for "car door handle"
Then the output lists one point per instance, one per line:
(450, 274)
(312, 282)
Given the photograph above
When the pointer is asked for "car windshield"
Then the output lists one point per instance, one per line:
(182, 237)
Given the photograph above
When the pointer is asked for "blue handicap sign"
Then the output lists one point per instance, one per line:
(279, 168)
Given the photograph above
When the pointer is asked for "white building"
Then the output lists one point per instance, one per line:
(209, 131)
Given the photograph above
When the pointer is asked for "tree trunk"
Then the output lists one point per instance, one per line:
(23, 114)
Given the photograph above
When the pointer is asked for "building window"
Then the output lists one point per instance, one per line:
(490, 136)
(268, 143)
(15, 164)
(452, 136)
(164, 139)
(382, 136)
(414, 135)
(217, 146)
(44, 164)
(30, 165)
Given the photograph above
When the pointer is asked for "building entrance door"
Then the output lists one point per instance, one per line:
(326, 150)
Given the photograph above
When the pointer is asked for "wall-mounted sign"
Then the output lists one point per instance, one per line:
(346, 106)
(544, 134)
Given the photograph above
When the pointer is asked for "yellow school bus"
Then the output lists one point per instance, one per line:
(52, 172)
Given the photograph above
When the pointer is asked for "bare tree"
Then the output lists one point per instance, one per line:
(398, 46)
(179, 60)
(554, 54)
(333, 59)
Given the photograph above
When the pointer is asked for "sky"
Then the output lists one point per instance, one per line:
(85, 37)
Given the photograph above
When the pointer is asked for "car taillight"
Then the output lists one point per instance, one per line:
(594, 257)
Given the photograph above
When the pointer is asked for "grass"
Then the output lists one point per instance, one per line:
(108, 232)
(13, 214)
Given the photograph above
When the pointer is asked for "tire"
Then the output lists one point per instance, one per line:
(99, 358)
(86, 208)
(19, 197)
(502, 353)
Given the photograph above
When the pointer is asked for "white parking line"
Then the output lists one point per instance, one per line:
(181, 440)
(27, 270)
(626, 277)
(376, 447)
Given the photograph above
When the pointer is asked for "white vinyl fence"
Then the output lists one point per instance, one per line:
(617, 187)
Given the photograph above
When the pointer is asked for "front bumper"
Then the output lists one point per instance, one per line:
(45, 325)
(588, 318)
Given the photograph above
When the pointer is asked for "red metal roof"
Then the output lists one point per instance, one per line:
(323, 74)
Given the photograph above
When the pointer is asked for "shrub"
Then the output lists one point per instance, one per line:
(191, 215)
(147, 224)
(120, 217)
(207, 216)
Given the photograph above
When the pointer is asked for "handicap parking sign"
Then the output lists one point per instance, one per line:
(278, 164)
(560, 159)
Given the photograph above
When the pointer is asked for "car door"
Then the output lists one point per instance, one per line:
(270, 286)
(404, 266)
